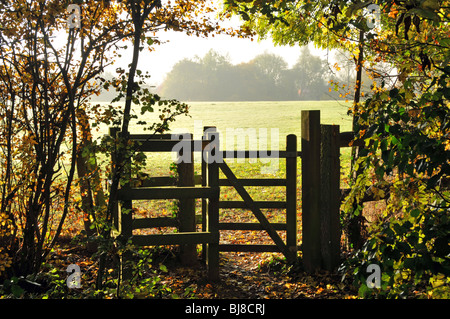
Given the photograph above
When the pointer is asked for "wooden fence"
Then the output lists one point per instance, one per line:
(166, 188)
(321, 197)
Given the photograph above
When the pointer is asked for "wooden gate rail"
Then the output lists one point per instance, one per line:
(165, 193)
(259, 154)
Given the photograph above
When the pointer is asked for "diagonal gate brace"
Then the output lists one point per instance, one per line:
(257, 212)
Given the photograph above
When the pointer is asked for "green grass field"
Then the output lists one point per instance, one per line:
(230, 116)
(284, 116)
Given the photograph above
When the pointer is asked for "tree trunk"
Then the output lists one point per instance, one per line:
(356, 223)
(92, 195)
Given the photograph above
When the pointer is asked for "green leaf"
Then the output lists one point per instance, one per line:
(394, 140)
(404, 247)
(363, 290)
(441, 247)
(413, 239)
(383, 145)
(380, 172)
(163, 268)
(409, 263)
(399, 229)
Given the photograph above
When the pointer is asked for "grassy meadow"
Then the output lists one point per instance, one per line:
(284, 116)
(228, 117)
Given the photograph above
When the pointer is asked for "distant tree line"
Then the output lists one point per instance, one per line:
(265, 78)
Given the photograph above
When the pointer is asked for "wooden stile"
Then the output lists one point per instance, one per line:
(289, 205)
(257, 212)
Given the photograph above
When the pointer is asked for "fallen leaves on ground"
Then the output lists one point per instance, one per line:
(254, 276)
(242, 276)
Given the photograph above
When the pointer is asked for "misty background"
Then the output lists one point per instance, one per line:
(268, 76)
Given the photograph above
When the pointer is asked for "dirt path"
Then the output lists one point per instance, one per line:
(257, 276)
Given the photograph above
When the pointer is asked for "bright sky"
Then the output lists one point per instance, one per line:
(181, 46)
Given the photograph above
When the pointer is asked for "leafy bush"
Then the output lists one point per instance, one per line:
(407, 159)
(413, 254)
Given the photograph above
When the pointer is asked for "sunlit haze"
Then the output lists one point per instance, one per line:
(179, 46)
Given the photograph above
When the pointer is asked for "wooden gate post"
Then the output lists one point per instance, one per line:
(212, 252)
(311, 190)
(330, 196)
(291, 194)
(186, 206)
(204, 173)
(113, 131)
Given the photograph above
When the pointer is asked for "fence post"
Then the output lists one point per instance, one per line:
(212, 253)
(113, 133)
(311, 190)
(186, 211)
(330, 196)
(291, 194)
(204, 172)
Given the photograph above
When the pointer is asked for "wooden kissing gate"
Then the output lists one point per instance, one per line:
(320, 198)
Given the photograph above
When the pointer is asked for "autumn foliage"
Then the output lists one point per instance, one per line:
(48, 71)
(404, 120)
